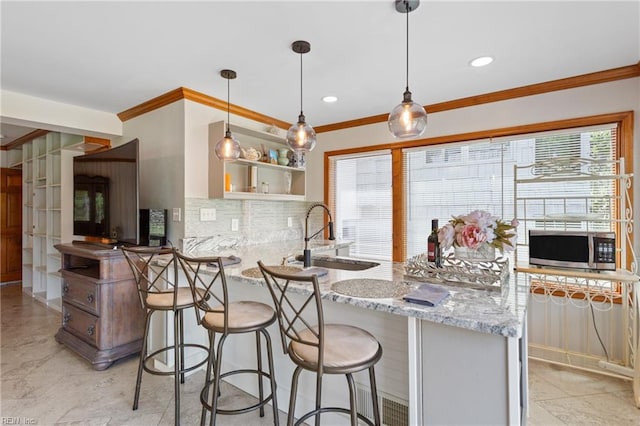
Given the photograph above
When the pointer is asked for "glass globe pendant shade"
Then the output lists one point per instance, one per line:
(408, 119)
(228, 148)
(301, 137)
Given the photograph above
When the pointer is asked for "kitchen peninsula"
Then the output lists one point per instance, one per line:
(461, 362)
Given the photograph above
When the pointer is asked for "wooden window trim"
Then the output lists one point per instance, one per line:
(624, 121)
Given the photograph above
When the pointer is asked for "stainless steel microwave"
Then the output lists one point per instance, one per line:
(573, 249)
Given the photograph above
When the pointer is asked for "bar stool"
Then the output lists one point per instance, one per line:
(158, 289)
(318, 347)
(216, 314)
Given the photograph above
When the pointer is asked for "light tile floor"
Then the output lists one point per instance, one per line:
(44, 383)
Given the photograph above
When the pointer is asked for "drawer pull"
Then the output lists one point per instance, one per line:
(65, 288)
(66, 318)
(91, 330)
(90, 298)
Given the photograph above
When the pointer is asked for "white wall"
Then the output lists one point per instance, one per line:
(623, 95)
(162, 167)
(197, 120)
(30, 111)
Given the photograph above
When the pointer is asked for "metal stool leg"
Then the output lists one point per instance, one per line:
(374, 396)
(318, 396)
(292, 398)
(216, 381)
(143, 356)
(352, 400)
(176, 365)
(260, 389)
(210, 363)
(274, 403)
(181, 322)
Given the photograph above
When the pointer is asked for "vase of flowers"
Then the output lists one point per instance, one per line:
(477, 235)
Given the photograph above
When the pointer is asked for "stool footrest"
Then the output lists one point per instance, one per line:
(157, 372)
(206, 390)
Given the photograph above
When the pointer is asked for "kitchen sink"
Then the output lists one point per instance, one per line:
(346, 264)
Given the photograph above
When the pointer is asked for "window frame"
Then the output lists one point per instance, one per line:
(624, 148)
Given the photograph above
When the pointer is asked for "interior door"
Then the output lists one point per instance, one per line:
(10, 225)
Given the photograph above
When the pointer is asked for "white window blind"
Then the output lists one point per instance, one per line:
(360, 199)
(454, 179)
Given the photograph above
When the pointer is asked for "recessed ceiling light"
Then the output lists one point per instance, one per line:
(329, 99)
(481, 61)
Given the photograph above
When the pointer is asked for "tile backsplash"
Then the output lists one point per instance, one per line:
(258, 222)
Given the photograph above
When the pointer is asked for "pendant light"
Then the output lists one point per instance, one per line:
(301, 137)
(408, 119)
(228, 148)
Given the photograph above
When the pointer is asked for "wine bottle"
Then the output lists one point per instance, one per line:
(434, 253)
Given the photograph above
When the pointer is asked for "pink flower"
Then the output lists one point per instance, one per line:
(471, 236)
(477, 228)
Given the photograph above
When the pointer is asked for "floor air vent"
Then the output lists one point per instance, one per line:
(393, 411)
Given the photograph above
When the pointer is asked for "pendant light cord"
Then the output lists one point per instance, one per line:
(301, 113)
(406, 6)
(228, 96)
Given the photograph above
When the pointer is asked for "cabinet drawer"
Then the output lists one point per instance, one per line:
(81, 292)
(81, 323)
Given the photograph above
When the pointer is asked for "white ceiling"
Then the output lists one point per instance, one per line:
(111, 56)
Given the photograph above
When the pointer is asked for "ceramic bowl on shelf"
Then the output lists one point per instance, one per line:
(250, 154)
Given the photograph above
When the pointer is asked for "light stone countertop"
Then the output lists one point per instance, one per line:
(500, 313)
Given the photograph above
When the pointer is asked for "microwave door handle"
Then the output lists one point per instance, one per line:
(591, 251)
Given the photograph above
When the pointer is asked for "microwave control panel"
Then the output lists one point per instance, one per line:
(605, 250)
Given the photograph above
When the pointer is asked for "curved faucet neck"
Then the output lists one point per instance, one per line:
(307, 253)
(323, 205)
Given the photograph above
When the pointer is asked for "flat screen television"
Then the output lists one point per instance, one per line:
(105, 195)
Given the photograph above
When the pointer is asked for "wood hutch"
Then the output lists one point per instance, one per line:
(102, 319)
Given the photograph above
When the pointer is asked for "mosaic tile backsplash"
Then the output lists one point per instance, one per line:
(258, 222)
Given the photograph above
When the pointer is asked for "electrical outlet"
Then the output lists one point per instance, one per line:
(177, 214)
(234, 224)
(289, 222)
(207, 214)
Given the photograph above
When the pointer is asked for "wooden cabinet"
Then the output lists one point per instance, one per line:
(275, 176)
(102, 319)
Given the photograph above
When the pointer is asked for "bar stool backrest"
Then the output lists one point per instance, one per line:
(152, 277)
(208, 284)
(300, 316)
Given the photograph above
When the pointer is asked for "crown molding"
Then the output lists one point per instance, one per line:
(201, 98)
(621, 73)
(629, 71)
(24, 139)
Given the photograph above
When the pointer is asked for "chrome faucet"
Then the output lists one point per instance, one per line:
(307, 253)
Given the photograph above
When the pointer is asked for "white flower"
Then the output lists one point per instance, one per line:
(446, 235)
